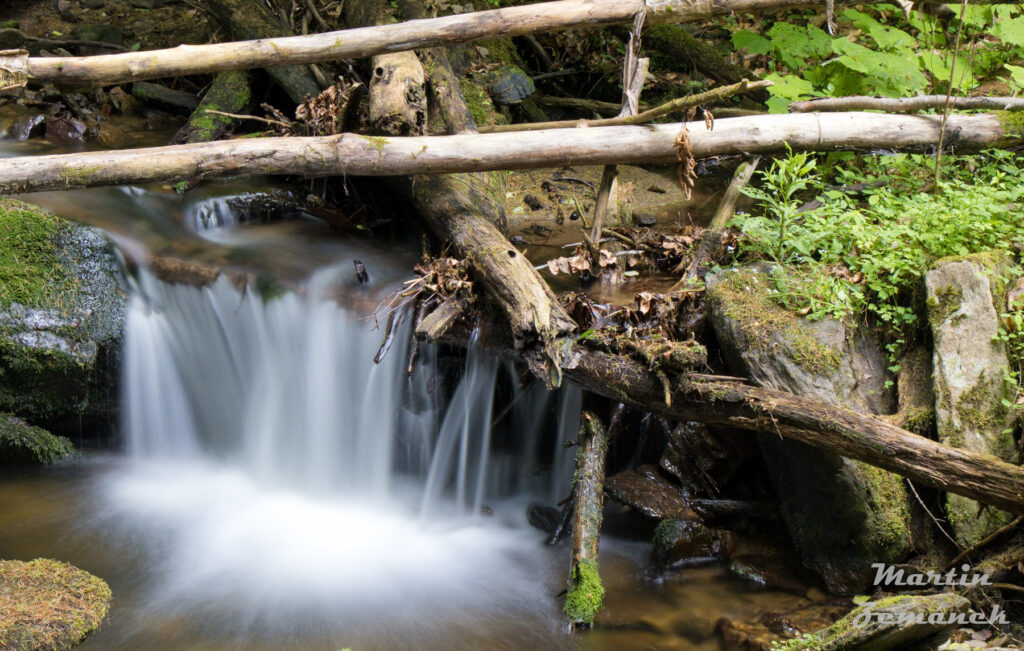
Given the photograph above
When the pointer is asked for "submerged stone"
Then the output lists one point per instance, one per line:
(964, 299)
(61, 318)
(842, 515)
(48, 605)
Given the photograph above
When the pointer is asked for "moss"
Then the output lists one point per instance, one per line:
(944, 303)
(22, 444)
(747, 303)
(31, 272)
(481, 108)
(229, 93)
(889, 516)
(666, 534)
(376, 142)
(586, 597)
(47, 604)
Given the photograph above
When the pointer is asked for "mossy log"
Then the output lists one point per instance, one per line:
(229, 93)
(244, 19)
(151, 93)
(368, 41)
(355, 155)
(586, 594)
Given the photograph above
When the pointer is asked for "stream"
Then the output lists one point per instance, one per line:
(271, 487)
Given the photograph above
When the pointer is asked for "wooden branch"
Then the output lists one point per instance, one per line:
(906, 104)
(368, 41)
(586, 594)
(596, 106)
(981, 477)
(355, 155)
(676, 106)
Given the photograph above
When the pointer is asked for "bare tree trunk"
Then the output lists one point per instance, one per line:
(368, 41)
(586, 594)
(356, 155)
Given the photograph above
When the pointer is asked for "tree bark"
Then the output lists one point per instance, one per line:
(585, 596)
(906, 104)
(229, 93)
(356, 155)
(368, 41)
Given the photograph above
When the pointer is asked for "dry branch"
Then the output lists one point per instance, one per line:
(350, 154)
(906, 104)
(368, 41)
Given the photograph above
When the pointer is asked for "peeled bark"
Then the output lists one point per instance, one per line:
(365, 42)
(354, 155)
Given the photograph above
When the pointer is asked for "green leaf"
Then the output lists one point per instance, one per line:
(887, 73)
(1016, 75)
(1010, 31)
(886, 36)
(753, 43)
(789, 86)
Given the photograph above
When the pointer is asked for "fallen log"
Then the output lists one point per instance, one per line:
(716, 400)
(229, 93)
(368, 41)
(350, 154)
(586, 594)
(906, 104)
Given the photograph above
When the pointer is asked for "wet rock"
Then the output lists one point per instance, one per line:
(970, 362)
(61, 319)
(695, 453)
(11, 39)
(775, 630)
(842, 515)
(645, 490)
(677, 541)
(23, 444)
(47, 604)
(545, 518)
(768, 570)
(890, 623)
(66, 130)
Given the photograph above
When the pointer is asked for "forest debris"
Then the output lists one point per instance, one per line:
(586, 594)
(332, 111)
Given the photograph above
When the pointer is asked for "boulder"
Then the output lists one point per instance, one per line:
(965, 298)
(62, 312)
(842, 515)
(47, 604)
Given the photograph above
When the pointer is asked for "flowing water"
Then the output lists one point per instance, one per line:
(277, 489)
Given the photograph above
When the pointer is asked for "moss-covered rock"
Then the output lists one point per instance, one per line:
(965, 296)
(23, 444)
(842, 515)
(61, 317)
(48, 605)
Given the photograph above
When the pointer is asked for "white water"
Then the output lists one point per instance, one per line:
(279, 477)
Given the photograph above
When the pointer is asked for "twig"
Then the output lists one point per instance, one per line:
(316, 14)
(930, 514)
(675, 106)
(985, 541)
(249, 117)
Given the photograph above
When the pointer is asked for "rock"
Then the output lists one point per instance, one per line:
(695, 453)
(842, 515)
(99, 33)
(649, 493)
(965, 297)
(510, 85)
(769, 571)
(150, 4)
(66, 130)
(61, 319)
(771, 630)
(543, 517)
(11, 39)
(94, 4)
(22, 444)
(686, 540)
(47, 604)
(890, 623)
(916, 411)
(143, 26)
(65, 9)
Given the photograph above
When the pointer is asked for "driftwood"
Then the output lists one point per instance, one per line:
(906, 104)
(675, 107)
(350, 154)
(584, 598)
(368, 41)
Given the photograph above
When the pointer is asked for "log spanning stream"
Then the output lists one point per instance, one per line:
(273, 488)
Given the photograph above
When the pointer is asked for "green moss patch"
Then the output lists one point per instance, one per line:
(22, 444)
(31, 272)
(743, 294)
(586, 597)
(47, 604)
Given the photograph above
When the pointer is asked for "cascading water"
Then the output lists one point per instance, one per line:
(296, 480)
